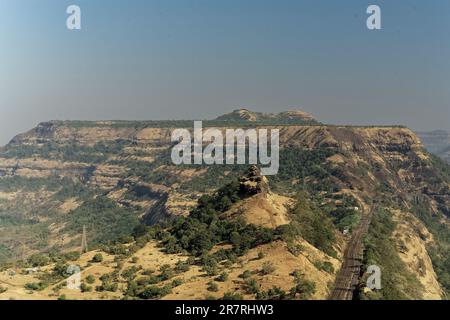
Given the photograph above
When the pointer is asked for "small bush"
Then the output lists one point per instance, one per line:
(246, 274)
(212, 286)
(222, 277)
(232, 296)
(85, 288)
(90, 279)
(251, 286)
(267, 268)
(97, 258)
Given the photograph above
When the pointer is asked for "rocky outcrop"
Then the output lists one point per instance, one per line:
(253, 182)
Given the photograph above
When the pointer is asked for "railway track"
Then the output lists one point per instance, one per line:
(348, 276)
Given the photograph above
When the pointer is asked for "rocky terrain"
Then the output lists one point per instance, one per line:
(116, 176)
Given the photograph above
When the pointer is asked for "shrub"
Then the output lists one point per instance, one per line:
(134, 260)
(246, 274)
(212, 286)
(325, 266)
(232, 296)
(154, 292)
(267, 268)
(85, 288)
(36, 286)
(39, 260)
(90, 279)
(222, 277)
(97, 258)
(130, 273)
(304, 288)
(176, 283)
(251, 286)
(107, 286)
(181, 267)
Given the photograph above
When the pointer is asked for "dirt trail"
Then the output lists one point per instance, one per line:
(347, 278)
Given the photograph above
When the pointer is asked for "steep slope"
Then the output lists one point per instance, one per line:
(279, 266)
(113, 175)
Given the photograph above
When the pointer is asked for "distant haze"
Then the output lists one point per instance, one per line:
(182, 59)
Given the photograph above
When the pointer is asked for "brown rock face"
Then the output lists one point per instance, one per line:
(253, 182)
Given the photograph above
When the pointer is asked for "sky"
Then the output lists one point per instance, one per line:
(196, 59)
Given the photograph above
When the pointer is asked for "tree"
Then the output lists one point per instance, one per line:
(97, 258)
(39, 260)
(90, 279)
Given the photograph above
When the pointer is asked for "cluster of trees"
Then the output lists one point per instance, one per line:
(398, 282)
(204, 228)
(104, 219)
(149, 284)
(344, 215)
(308, 167)
(310, 223)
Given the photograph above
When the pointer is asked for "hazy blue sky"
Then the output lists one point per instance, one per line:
(171, 59)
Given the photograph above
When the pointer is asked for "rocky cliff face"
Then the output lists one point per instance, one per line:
(61, 175)
(112, 156)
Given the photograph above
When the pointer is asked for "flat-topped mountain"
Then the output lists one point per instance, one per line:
(117, 179)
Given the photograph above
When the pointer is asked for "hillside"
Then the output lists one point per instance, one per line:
(286, 117)
(115, 176)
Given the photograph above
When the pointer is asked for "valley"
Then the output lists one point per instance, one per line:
(166, 231)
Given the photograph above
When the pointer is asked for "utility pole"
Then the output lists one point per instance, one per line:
(23, 252)
(84, 246)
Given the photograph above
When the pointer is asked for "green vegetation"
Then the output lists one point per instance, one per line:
(71, 152)
(232, 296)
(204, 228)
(310, 223)
(213, 286)
(85, 288)
(274, 293)
(98, 257)
(39, 260)
(397, 282)
(104, 219)
(303, 288)
(439, 250)
(90, 279)
(222, 277)
(35, 286)
(154, 292)
(308, 168)
(109, 282)
(267, 268)
(324, 266)
(251, 286)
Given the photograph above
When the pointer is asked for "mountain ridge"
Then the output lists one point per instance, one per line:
(113, 178)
